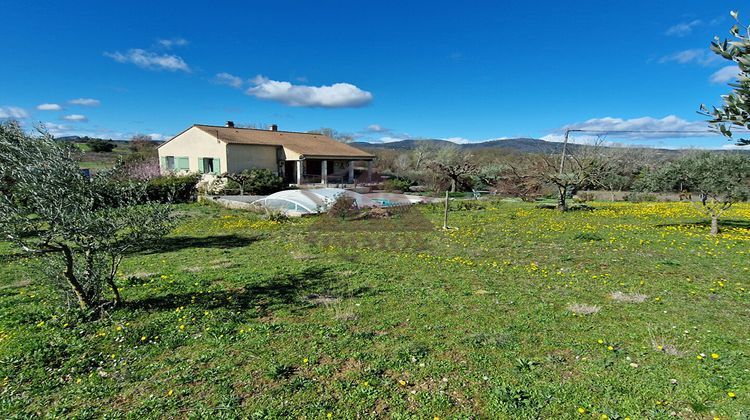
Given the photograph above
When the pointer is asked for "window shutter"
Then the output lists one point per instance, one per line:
(217, 166)
(183, 163)
(200, 165)
(163, 163)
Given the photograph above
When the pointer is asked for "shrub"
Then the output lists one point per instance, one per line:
(255, 181)
(397, 184)
(638, 197)
(343, 207)
(584, 196)
(174, 189)
(588, 236)
(102, 146)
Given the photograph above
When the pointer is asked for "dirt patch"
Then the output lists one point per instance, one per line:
(628, 297)
(583, 309)
(322, 300)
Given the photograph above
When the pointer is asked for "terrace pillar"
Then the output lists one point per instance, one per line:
(351, 171)
(324, 172)
(369, 171)
(299, 172)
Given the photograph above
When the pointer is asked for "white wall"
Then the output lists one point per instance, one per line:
(195, 144)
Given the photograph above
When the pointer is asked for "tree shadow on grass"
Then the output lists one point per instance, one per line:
(727, 223)
(287, 289)
(178, 243)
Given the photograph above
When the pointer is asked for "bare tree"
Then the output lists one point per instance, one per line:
(330, 132)
(571, 171)
(454, 164)
(618, 168)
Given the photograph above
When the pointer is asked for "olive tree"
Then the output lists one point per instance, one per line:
(570, 172)
(720, 179)
(48, 208)
(734, 114)
(454, 164)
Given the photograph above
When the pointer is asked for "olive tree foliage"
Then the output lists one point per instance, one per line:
(618, 169)
(454, 164)
(575, 170)
(49, 209)
(720, 179)
(734, 114)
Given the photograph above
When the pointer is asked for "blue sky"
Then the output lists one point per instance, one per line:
(465, 71)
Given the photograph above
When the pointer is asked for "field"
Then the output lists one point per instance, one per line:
(628, 311)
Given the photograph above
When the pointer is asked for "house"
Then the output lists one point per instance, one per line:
(300, 158)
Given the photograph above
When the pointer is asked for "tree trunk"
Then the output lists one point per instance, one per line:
(613, 196)
(453, 184)
(83, 301)
(115, 291)
(714, 225)
(562, 204)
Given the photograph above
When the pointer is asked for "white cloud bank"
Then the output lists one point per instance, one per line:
(75, 118)
(49, 107)
(457, 140)
(172, 42)
(14, 112)
(337, 95)
(669, 127)
(85, 102)
(377, 128)
(725, 75)
(150, 60)
(684, 28)
(704, 57)
(224, 78)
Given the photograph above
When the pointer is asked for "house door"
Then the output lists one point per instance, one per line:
(290, 171)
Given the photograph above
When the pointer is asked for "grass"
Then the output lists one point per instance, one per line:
(235, 316)
(100, 160)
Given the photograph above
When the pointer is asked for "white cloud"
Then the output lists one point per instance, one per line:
(735, 147)
(704, 57)
(725, 75)
(14, 112)
(457, 140)
(683, 28)
(337, 95)
(85, 102)
(172, 42)
(158, 136)
(49, 107)
(75, 118)
(55, 129)
(377, 128)
(150, 60)
(669, 127)
(389, 139)
(228, 79)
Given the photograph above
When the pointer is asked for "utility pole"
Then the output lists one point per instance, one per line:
(564, 149)
(445, 215)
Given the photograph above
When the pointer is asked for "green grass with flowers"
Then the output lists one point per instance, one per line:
(628, 311)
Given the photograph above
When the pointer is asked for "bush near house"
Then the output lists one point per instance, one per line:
(255, 182)
(171, 188)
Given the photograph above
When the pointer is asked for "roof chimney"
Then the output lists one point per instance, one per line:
(230, 124)
(274, 127)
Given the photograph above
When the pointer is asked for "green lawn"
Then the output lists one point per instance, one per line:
(237, 317)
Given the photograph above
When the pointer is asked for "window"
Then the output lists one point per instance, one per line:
(209, 165)
(169, 163)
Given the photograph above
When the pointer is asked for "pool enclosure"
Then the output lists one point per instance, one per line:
(310, 201)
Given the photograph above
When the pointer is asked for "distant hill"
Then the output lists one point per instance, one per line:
(519, 145)
(522, 145)
(80, 139)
